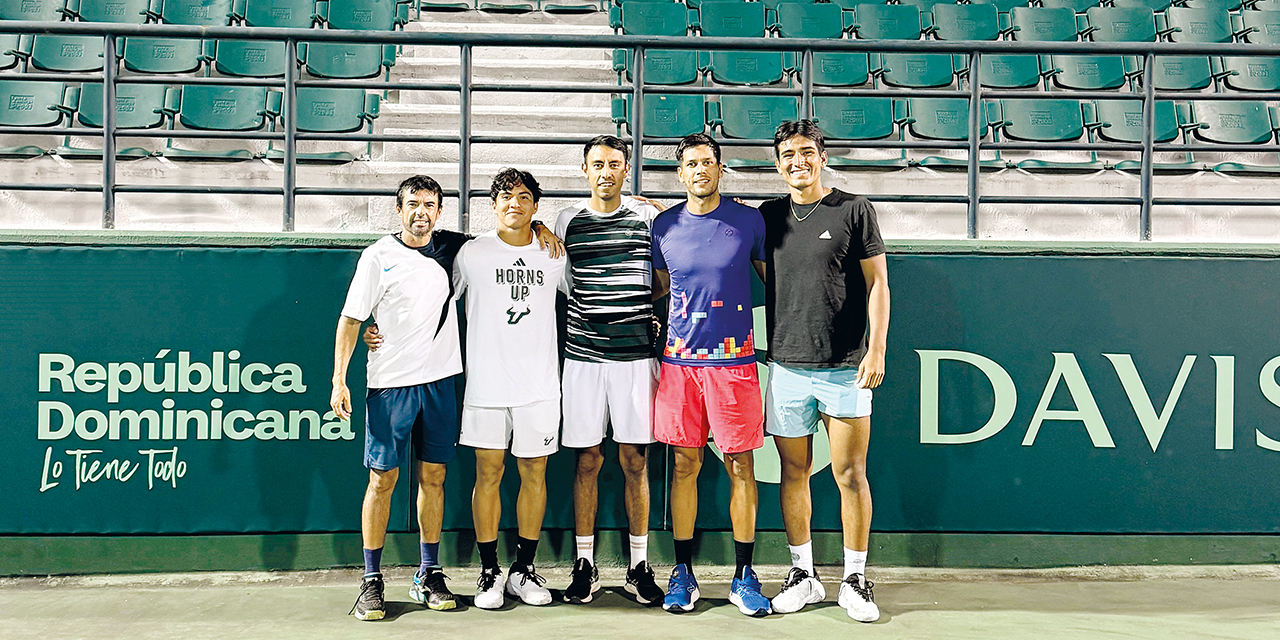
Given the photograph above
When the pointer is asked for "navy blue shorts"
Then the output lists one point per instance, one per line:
(428, 413)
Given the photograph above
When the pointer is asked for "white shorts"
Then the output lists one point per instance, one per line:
(531, 430)
(597, 394)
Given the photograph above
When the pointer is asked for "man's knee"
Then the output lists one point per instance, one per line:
(533, 471)
(740, 466)
(634, 461)
(688, 463)
(589, 461)
(383, 482)
(431, 475)
(851, 477)
(489, 469)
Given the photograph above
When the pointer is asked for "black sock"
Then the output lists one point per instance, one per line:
(684, 553)
(488, 554)
(742, 552)
(525, 549)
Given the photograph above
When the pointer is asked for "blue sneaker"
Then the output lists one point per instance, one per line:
(682, 590)
(745, 592)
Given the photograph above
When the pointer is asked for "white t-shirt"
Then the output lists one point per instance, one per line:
(511, 321)
(408, 295)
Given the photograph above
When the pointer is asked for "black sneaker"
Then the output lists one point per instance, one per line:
(584, 583)
(429, 589)
(641, 585)
(370, 605)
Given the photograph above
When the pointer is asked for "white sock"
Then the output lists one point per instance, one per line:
(639, 549)
(802, 556)
(854, 562)
(586, 547)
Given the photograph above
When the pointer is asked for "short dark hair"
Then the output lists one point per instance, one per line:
(510, 178)
(612, 142)
(414, 184)
(697, 140)
(803, 128)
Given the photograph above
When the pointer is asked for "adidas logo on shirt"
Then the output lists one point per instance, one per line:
(826, 235)
(518, 263)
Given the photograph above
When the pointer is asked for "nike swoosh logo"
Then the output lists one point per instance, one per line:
(390, 268)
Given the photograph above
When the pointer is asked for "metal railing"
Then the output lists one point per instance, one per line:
(637, 89)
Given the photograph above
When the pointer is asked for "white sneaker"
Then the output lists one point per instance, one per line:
(857, 599)
(489, 589)
(798, 590)
(525, 583)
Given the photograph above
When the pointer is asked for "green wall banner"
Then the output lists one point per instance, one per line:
(185, 390)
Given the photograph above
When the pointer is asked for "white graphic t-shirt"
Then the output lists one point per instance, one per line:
(511, 321)
(407, 291)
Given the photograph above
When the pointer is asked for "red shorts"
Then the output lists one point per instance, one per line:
(723, 400)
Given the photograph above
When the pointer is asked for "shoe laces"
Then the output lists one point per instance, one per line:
(434, 581)
(531, 575)
(373, 588)
(487, 580)
(749, 581)
(646, 572)
(861, 586)
(795, 577)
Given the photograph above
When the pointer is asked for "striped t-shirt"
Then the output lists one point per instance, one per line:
(610, 305)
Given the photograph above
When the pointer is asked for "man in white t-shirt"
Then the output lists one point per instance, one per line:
(512, 394)
(405, 282)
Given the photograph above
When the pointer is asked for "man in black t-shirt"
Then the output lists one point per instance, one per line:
(827, 309)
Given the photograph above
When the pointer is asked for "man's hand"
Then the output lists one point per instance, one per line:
(549, 242)
(340, 400)
(871, 370)
(657, 204)
(371, 337)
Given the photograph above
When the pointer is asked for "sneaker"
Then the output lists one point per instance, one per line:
(798, 590)
(489, 589)
(682, 590)
(525, 583)
(370, 605)
(745, 592)
(857, 599)
(641, 585)
(429, 589)
(584, 584)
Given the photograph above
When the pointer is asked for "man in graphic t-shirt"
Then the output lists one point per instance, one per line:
(610, 374)
(827, 306)
(512, 396)
(703, 253)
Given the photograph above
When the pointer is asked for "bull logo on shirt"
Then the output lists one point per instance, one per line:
(514, 317)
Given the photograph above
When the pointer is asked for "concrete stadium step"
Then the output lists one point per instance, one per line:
(558, 71)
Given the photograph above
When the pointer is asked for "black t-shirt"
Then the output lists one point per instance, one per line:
(816, 296)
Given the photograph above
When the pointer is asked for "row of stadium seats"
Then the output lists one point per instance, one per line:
(1079, 6)
(80, 54)
(947, 119)
(203, 107)
(954, 22)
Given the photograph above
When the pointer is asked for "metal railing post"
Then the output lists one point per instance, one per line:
(1148, 127)
(806, 85)
(975, 140)
(637, 120)
(464, 142)
(290, 109)
(109, 132)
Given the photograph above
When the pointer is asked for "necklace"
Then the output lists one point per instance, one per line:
(800, 218)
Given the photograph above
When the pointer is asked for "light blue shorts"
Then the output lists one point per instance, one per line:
(795, 398)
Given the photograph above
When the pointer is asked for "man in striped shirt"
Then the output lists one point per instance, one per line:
(610, 375)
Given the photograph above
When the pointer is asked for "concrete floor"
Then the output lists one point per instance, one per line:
(1123, 602)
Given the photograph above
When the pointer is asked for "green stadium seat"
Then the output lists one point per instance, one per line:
(24, 103)
(1121, 121)
(1047, 120)
(1076, 6)
(506, 7)
(981, 22)
(359, 15)
(830, 69)
(1097, 73)
(34, 10)
(325, 110)
(1154, 5)
(172, 55)
(1234, 122)
(741, 20)
(1212, 5)
(570, 7)
(138, 106)
(902, 22)
(926, 6)
(665, 116)
(111, 11)
(217, 108)
(1255, 73)
(859, 119)
(1190, 73)
(1037, 24)
(751, 118)
(446, 5)
(661, 66)
(263, 58)
(348, 61)
(9, 52)
(946, 119)
(81, 54)
(1004, 6)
